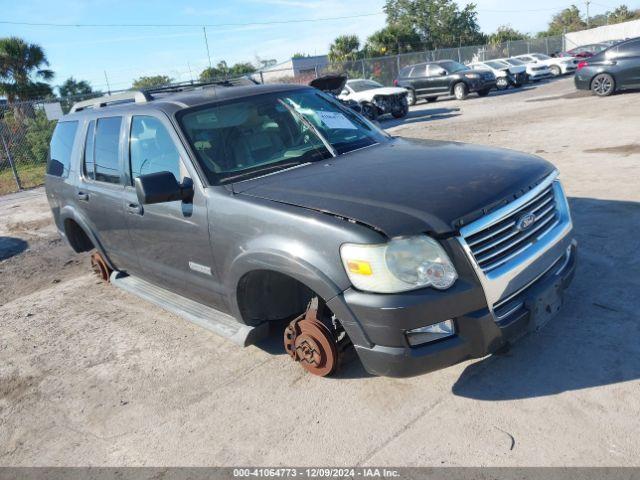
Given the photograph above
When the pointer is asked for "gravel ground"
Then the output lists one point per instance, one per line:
(92, 376)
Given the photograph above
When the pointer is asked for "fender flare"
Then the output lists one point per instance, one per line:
(69, 212)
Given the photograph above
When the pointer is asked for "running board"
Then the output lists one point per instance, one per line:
(203, 316)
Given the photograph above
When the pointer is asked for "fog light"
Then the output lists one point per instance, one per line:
(430, 333)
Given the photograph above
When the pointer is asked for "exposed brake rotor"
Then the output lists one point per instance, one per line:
(100, 266)
(309, 341)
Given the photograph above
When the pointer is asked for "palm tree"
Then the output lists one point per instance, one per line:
(344, 48)
(22, 65)
(72, 87)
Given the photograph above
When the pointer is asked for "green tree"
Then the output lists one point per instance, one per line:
(300, 55)
(72, 87)
(568, 20)
(152, 81)
(344, 48)
(622, 14)
(393, 39)
(240, 69)
(22, 66)
(440, 23)
(506, 33)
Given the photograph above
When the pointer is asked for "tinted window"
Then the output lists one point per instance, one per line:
(151, 149)
(89, 164)
(453, 67)
(60, 150)
(629, 49)
(435, 69)
(405, 72)
(106, 154)
(418, 71)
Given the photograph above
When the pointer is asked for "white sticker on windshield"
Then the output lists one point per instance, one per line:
(336, 120)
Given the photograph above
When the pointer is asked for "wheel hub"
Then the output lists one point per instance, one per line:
(311, 343)
(100, 266)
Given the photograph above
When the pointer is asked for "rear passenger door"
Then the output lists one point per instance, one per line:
(419, 80)
(100, 189)
(172, 238)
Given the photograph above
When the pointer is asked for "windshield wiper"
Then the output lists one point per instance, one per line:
(263, 170)
(310, 125)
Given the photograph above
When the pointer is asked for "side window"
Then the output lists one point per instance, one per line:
(630, 49)
(89, 165)
(60, 150)
(419, 71)
(151, 149)
(435, 70)
(107, 150)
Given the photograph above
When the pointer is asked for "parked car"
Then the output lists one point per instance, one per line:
(557, 66)
(586, 51)
(535, 72)
(615, 69)
(241, 207)
(376, 99)
(333, 84)
(505, 74)
(536, 69)
(446, 77)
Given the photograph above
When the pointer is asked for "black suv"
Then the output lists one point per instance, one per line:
(446, 77)
(617, 68)
(244, 208)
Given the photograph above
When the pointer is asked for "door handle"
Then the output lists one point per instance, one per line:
(83, 196)
(134, 208)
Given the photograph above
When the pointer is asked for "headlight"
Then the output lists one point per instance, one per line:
(472, 75)
(399, 265)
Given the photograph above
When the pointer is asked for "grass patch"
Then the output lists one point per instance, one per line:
(30, 176)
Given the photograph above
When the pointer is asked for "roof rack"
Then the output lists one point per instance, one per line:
(146, 95)
(137, 96)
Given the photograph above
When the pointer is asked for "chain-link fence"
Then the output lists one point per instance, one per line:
(385, 69)
(26, 127)
(25, 131)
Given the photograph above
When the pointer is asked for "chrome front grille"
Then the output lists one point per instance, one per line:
(505, 238)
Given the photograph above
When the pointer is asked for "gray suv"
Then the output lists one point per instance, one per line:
(245, 208)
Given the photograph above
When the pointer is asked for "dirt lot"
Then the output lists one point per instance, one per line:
(92, 376)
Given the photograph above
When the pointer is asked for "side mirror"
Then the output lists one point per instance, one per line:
(443, 73)
(161, 187)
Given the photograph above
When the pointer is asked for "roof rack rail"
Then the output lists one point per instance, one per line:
(137, 96)
(146, 94)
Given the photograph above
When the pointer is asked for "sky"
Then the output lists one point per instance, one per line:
(126, 53)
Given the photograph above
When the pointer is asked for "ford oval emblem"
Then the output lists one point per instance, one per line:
(525, 221)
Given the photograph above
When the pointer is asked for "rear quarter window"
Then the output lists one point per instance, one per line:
(61, 148)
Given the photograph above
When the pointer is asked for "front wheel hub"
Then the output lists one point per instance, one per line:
(311, 343)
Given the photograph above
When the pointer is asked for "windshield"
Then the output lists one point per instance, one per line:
(497, 64)
(540, 56)
(362, 85)
(257, 135)
(514, 61)
(453, 67)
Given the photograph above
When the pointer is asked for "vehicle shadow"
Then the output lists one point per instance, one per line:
(11, 246)
(593, 341)
(422, 115)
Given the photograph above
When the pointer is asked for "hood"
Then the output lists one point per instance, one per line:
(406, 187)
(515, 69)
(333, 82)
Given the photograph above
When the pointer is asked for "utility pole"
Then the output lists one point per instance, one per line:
(588, 19)
(107, 79)
(190, 73)
(206, 42)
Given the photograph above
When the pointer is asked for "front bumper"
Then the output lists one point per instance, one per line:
(489, 306)
(478, 85)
